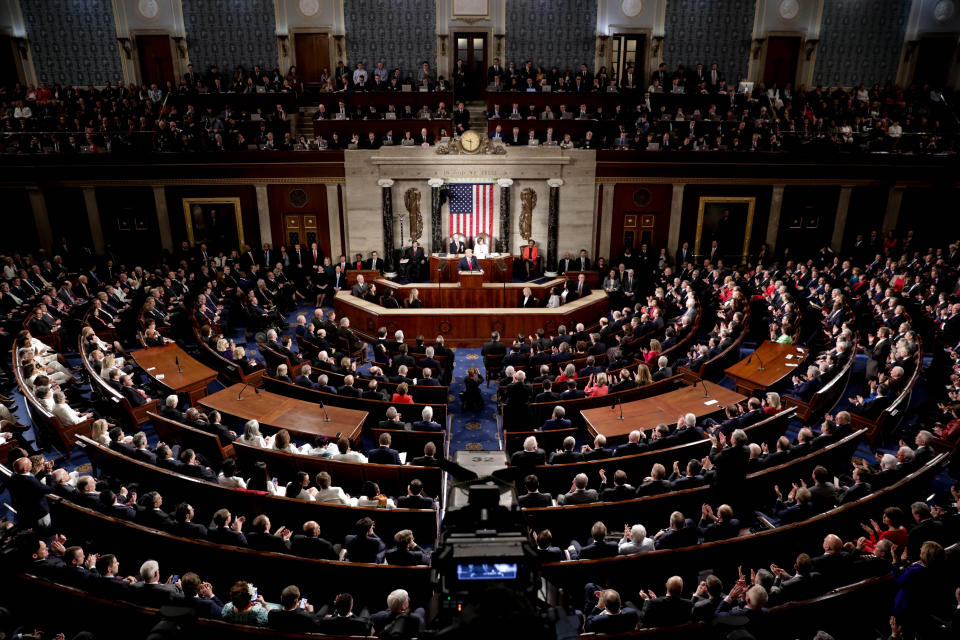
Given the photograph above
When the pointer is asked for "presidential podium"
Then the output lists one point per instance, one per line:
(470, 279)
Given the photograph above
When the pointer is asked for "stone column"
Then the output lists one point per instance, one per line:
(676, 216)
(894, 200)
(773, 222)
(386, 196)
(553, 222)
(333, 220)
(843, 208)
(436, 222)
(93, 218)
(41, 218)
(503, 244)
(163, 218)
(263, 215)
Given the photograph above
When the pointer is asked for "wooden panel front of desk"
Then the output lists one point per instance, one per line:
(453, 296)
(465, 327)
(487, 265)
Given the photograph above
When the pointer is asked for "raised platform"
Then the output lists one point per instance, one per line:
(469, 322)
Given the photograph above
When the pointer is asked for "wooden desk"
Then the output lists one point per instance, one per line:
(778, 362)
(471, 279)
(453, 296)
(158, 361)
(451, 273)
(368, 274)
(665, 408)
(299, 417)
(469, 324)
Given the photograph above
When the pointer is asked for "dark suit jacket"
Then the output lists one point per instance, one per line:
(312, 547)
(351, 626)
(296, 621)
(626, 620)
(415, 502)
(666, 610)
(528, 458)
(265, 541)
(383, 455)
(29, 497)
(535, 500)
(468, 265)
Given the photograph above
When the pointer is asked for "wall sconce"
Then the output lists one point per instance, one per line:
(657, 44)
(811, 47)
(757, 46)
(603, 42)
(443, 44)
(125, 45)
(283, 40)
(499, 37)
(181, 44)
(339, 40)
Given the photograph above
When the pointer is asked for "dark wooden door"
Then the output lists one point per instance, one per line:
(312, 56)
(306, 228)
(933, 61)
(472, 49)
(9, 75)
(781, 66)
(156, 59)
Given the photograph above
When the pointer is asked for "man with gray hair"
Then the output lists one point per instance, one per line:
(579, 493)
(531, 455)
(567, 454)
(558, 421)
(149, 591)
(634, 541)
(427, 423)
(169, 409)
(398, 604)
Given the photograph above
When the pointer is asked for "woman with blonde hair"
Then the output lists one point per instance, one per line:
(282, 442)
(413, 301)
(98, 432)
(597, 386)
(771, 403)
(282, 373)
(643, 376)
(651, 353)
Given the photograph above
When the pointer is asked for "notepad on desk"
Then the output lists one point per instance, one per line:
(150, 368)
(709, 402)
(160, 376)
(792, 364)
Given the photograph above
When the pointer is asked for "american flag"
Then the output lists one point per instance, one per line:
(471, 209)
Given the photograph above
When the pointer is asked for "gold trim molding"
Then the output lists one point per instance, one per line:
(188, 204)
(705, 200)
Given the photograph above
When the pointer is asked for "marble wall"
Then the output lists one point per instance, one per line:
(414, 167)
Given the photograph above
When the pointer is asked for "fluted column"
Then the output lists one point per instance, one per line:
(503, 244)
(386, 190)
(553, 222)
(436, 224)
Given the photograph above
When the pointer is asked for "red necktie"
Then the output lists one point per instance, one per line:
(314, 255)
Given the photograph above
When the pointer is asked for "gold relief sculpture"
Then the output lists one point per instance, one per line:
(411, 200)
(528, 199)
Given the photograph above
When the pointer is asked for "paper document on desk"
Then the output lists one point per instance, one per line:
(789, 356)
(709, 402)
(403, 457)
(160, 376)
(792, 364)
(150, 368)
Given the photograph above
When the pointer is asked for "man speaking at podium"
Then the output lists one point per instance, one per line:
(468, 262)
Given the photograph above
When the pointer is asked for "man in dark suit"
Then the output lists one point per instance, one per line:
(151, 515)
(150, 592)
(581, 288)
(226, 529)
(567, 454)
(384, 454)
(429, 457)
(579, 493)
(557, 421)
(28, 494)
(609, 616)
(310, 544)
(671, 609)
(427, 423)
(415, 498)
(185, 527)
(804, 387)
(260, 538)
(530, 456)
(548, 394)
(619, 490)
(857, 490)
(494, 347)
(572, 392)
(375, 263)
(407, 553)
(598, 547)
(457, 245)
(417, 265)
(468, 262)
(342, 621)
(533, 497)
(291, 618)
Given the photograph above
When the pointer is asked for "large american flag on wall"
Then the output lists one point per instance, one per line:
(471, 209)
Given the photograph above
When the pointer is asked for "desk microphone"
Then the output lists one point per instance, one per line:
(619, 403)
(242, 389)
(177, 360)
(762, 368)
(706, 394)
(326, 416)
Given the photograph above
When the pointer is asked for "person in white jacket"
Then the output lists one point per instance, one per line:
(68, 417)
